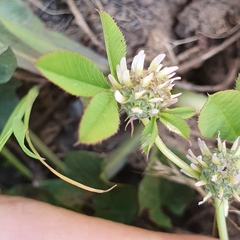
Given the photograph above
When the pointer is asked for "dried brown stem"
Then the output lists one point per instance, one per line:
(48, 11)
(183, 68)
(213, 88)
(82, 24)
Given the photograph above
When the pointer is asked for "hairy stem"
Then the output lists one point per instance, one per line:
(171, 156)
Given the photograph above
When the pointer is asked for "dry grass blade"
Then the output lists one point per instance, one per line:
(82, 24)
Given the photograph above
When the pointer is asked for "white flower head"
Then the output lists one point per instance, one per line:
(146, 89)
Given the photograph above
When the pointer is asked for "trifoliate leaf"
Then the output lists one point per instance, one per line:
(100, 120)
(183, 112)
(114, 41)
(150, 199)
(221, 114)
(73, 73)
(149, 135)
(175, 124)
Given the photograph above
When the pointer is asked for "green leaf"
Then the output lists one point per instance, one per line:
(118, 205)
(65, 194)
(73, 73)
(156, 194)
(189, 98)
(150, 199)
(28, 37)
(221, 114)
(175, 124)
(84, 167)
(8, 129)
(183, 112)
(8, 63)
(238, 83)
(30, 191)
(20, 129)
(176, 204)
(114, 41)
(149, 135)
(8, 100)
(100, 120)
(31, 97)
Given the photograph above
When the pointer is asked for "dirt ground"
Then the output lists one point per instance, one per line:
(200, 36)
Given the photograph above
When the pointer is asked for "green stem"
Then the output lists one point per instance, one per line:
(171, 156)
(46, 152)
(221, 219)
(116, 160)
(16, 163)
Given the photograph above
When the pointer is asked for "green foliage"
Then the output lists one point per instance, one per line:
(183, 112)
(114, 41)
(8, 63)
(64, 194)
(89, 164)
(155, 194)
(150, 199)
(28, 37)
(118, 204)
(175, 196)
(100, 120)
(176, 124)
(16, 125)
(238, 83)
(8, 128)
(149, 135)
(221, 114)
(73, 73)
(80, 77)
(8, 100)
(86, 167)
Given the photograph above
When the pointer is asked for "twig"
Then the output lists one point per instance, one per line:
(213, 88)
(49, 11)
(224, 34)
(98, 4)
(183, 41)
(186, 54)
(45, 117)
(213, 51)
(233, 223)
(82, 24)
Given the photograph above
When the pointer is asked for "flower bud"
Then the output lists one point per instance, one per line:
(219, 171)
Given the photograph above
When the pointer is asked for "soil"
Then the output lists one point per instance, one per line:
(200, 36)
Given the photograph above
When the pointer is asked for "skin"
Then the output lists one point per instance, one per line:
(27, 219)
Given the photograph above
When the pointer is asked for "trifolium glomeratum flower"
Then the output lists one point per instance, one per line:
(219, 171)
(144, 93)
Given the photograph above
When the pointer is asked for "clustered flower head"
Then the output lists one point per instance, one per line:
(219, 171)
(144, 93)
